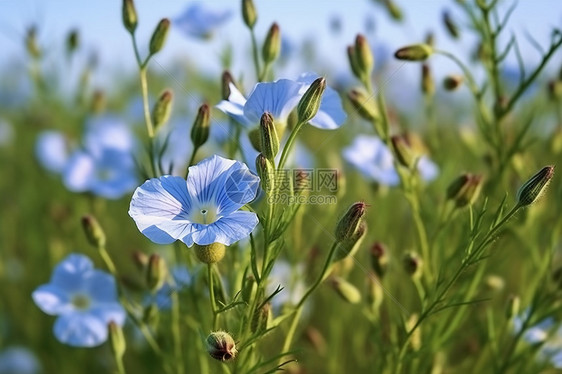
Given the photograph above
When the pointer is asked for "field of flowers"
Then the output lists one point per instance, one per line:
(264, 219)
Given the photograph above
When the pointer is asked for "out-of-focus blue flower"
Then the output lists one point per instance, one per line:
(543, 333)
(279, 98)
(83, 298)
(200, 21)
(374, 160)
(108, 132)
(18, 360)
(181, 279)
(51, 150)
(202, 210)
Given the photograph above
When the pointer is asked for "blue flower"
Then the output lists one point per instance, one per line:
(51, 150)
(279, 98)
(18, 360)
(180, 280)
(200, 21)
(202, 210)
(83, 298)
(105, 165)
(547, 333)
(374, 160)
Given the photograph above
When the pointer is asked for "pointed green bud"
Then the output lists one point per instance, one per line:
(450, 25)
(94, 232)
(365, 59)
(255, 138)
(117, 340)
(531, 190)
(221, 346)
(365, 105)
(200, 128)
(512, 307)
(379, 259)
(129, 16)
(393, 10)
(494, 282)
(452, 82)
(159, 36)
(349, 246)
(464, 190)
(98, 102)
(347, 291)
(162, 109)
(272, 44)
(404, 153)
(266, 172)
(430, 39)
(413, 264)
(31, 43)
(156, 273)
(416, 52)
(349, 224)
(72, 41)
(210, 253)
(262, 318)
(310, 101)
(226, 81)
(268, 136)
(353, 63)
(427, 83)
(375, 292)
(249, 13)
(140, 259)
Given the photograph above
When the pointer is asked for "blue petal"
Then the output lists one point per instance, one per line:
(109, 312)
(51, 150)
(160, 209)
(52, 300)
(199, 20)
(373, 159)
(227, 230)
(115, 174)
(331, 114)
(107, 132)
(71, 273)
(207, 179)
(79, 171)
(234, 106)
(80, 330)
(101, 287)
(427, 169)
(279, 98)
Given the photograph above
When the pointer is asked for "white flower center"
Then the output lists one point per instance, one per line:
(204, 214)
(81, 301)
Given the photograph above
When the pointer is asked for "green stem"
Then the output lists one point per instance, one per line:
(107, 260)
(421, 233)
(289, 145)
(255, 53)
(119, 364)
(146, 105)
(191, 160)
(212, 295)
(176, 328)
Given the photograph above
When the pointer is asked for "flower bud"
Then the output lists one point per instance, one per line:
(531, 190)
(364, 56)
(200, 128)
(72, 41)
(494, 283)
(512, 307)
(347, 291)
(129, 16)
(416, 52)
(266, 172)
(404, 154)
(261, 320)
(156, 273)
(379, 258)
(430, 39)
(349, 223)
(249, 13)
(353, 63)
(315, 338)
(310, 101)
(151, 315)
(98, 102)
(117, 339)
(162, 109)
(452, 82)
(268, 136)
(464, 190)
(221, 346)
(94, 232)
(210, 253)
(272, 44)
(348, 247)
(159, 36)
(140, 259)
(412, 264)
(450, 25)
(365, 105)
(415, 339)
(31, 43)
(375, 292)
(393, 10)
(226, 81)
(427, 83)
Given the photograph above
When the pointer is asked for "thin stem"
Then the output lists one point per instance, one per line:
(421, 233)
(119, 364)
(289, 145)
(146, 105)
(176, 328)
(107, 260)
(191, 159)
(212, 294)
(255, 53)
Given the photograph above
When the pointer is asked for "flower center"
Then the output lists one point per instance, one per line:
(204, 215)
(81, 301)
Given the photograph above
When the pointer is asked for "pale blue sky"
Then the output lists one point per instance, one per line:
(100, 25)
